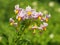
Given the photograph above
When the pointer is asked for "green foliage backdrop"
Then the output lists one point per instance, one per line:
(8, 34)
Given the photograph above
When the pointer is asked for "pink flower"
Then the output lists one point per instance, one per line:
(17, 9)
(40, 28)
(21, 14)
(40, 14)
(35, 14)
(43, 19)
(43, 26)
(11, 20)
(48, 16)
(29, 11)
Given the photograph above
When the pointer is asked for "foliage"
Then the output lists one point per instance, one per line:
(8, 34)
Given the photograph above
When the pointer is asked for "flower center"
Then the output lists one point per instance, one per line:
(39, 17)
(16, 12)
(46, 19)
(19, 18)
(44, 28)
(29, 13)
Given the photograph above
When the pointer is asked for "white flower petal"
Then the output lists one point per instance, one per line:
(28, 8)
(45, 24)
(16, 6)
(40, 28)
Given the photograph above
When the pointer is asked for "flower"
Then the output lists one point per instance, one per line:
(15, 24)
(34, 28)
(34, 31)
(20, 15)
(40, 14)
(11, 21)
(17, 9)
(26, 17)
(43, 19)
(29, 13)
(17, 6)
(40, 28)
(47, 17)
(35, 14)
(29, 10)
(45, 24)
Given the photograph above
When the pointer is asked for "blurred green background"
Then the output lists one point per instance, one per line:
(8, 34)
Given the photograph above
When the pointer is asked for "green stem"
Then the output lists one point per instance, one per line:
(19, 34)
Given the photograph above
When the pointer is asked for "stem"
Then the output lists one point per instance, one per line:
(19, 34)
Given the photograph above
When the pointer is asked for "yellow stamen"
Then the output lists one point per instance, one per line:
(44, 28)
(34, 31)
(16, 12)
(39, 17)
(19, 18)
(11, 23)
(29, 13)
(46, 19)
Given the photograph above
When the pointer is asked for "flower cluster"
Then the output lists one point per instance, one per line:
(29, 13)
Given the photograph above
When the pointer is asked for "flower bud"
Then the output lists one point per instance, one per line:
(15, 24)
(48, 16)
(34, 27)
(11, 21)
(45, 24)
(34, 31)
